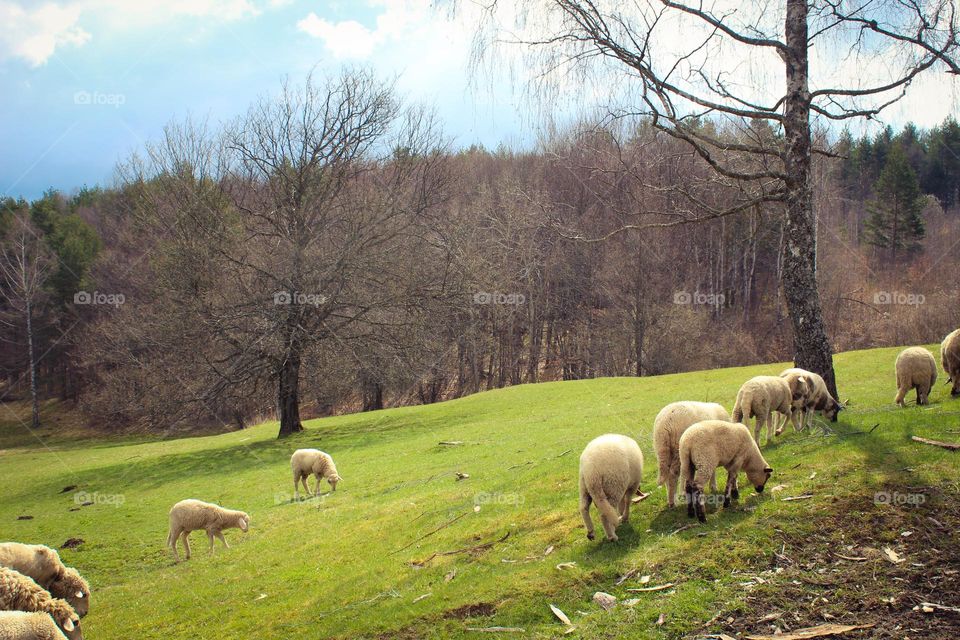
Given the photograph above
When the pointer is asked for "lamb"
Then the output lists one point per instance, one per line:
(191, 515)
(43, 564)
(668, 426)
(28, 625)
(305, 462)
(759, 397)
(717, 443)
(20, 593)
(916, 369)
(611, 468)
(950, 356)
(817, 397)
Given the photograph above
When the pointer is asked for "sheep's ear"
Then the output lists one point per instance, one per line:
(68, 625)
(80, 594)
(768, 469)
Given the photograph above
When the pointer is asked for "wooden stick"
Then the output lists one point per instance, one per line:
(427, 535)
(952, 446)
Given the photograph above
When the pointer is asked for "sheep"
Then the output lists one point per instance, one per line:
(191, 515)
(916, 369)
(611, 468)
(716, 443)
(817, 397)
(759, 397)
(950, 356)
(20, 593)
(305, 462)
(43, 564)
(668, 426)
(28, 625)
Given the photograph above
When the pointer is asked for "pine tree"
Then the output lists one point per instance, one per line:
(895, 222)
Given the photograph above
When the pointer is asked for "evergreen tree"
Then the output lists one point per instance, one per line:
(895, 222)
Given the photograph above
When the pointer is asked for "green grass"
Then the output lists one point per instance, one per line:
(334, 567)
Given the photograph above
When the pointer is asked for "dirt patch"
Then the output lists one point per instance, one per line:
(872, 560)
(477, 610)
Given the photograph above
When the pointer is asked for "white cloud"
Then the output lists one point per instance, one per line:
(33, 35)
(345, 39)
(33, 32)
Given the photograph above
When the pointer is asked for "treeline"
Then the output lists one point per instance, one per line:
(271, 268)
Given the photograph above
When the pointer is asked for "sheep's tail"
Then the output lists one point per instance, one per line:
(742, 406)
(665, 460)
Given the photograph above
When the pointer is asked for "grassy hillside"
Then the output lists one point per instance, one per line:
(347, 565)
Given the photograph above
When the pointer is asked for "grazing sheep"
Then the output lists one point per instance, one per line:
(716, 443)
(305, 462)
(668, 426)
(43, 564)
(191, 515)
(817, 398)
(28, 625)
(20, 593)
(916, 369)
(950, 356)
(758, 398)
(611, 467)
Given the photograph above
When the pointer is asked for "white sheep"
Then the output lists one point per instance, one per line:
(611, 468)
(28, 625)
(20, 593)
(717, 443)
(950, 356)
(191, 515)
(816, 398)
(668, 426)
(307, 462)
(916, 369)
(43, 564)
(759, 397)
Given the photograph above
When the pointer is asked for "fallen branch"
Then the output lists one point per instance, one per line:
(683, 528)
(497, 629)
(940, 607)
(813, 632)
(952, 446)
(479, 547)
(669, 585)
(427, 535)
(450, 443)
(805, 496)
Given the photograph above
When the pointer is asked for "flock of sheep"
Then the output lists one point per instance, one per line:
(42, 599)
(692, 439)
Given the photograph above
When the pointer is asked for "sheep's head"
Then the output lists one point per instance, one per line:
(333, 480)
(758, 477)
(71, 586)
(66, 618)
(833, 409)
(243, 522)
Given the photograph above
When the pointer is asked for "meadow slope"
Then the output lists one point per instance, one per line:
(359, 563)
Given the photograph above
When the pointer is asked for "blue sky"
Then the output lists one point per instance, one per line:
(84, 83)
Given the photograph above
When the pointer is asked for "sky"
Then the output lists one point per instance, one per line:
(85, 83)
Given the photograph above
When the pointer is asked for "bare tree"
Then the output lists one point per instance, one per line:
(295, 226)
(25, 264)
(686, 62)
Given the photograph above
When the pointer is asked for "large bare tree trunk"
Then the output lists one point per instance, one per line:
(288, 398)
(35, 421)
(812, 348)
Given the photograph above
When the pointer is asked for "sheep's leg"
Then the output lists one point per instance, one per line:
(172, 542)
(923, 393)
(222, 539)
(713, 481)
(758, 427)
(585, 511)
(770, 423)
(296, 487)
(672, 479)
(210, 537)
(697, 501)
(689, 494)
(186, 544)
(625, 504)
(731, 489)
(901, 394)
(319, 478)
(609, 517)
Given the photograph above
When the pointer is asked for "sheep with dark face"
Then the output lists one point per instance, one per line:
(717, 443)
(28, 625)
(816, 398)
(668, 426)
(759, 398)
(916, 369)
